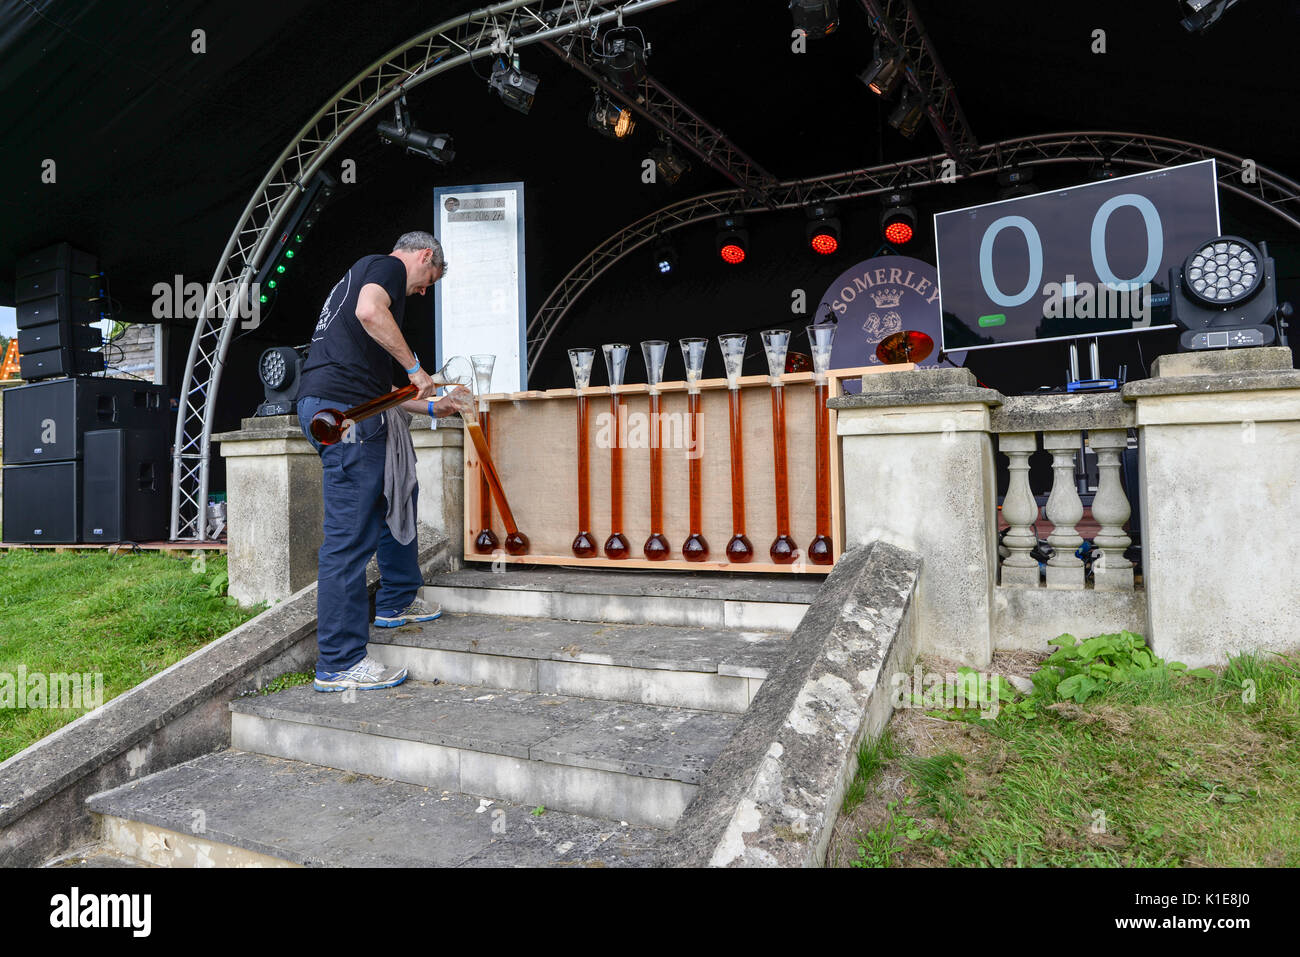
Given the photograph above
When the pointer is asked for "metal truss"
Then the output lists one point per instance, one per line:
(897, 23)
(1270, 190)
(486, 32)
(655, 103)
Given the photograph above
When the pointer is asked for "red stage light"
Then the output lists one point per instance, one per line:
(731, 253)
(898, 233)
(825, 243)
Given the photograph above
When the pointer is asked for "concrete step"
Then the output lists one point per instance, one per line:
(239, 809)
(712, 669)
(629, 596)
(627, 762)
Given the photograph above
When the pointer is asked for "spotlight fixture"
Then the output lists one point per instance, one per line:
(609, 118)
(515, 87)
(1016, 181)
(665, 258)
(906, 117)
(733, 239)
(670, 166)
(1200, 15)
(401, 132)
(823, 230)
(280, 369)
(898, 219)
(621, 54)
(884, 71)
(1106, 170)
(1225, 294)
(816, 18)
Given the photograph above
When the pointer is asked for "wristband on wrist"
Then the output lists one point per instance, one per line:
(415, 368)
(431, 412)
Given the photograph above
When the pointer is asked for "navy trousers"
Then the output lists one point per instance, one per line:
(356, 528)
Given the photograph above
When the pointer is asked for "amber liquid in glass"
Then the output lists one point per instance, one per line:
(583, 546)
(487, 542)
(783, 547)
(821, 551)
(695, 548)
(656, 546)
(616, 545)
(516, 541)
(738, 549)
(326, 426)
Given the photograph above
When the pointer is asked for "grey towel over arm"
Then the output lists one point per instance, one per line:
(399, 476)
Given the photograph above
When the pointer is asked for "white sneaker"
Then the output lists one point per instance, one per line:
(368, 674)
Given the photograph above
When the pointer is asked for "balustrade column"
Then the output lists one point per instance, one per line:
(1020, 509)
(1111, 571)
(1064, 510)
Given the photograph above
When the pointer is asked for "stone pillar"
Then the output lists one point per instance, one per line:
(440, 470)
(1219, 465)
(274, 516)
(918, 473)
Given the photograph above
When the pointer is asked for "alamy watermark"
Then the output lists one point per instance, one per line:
(38, 689)
(635, 430)
(189, 300)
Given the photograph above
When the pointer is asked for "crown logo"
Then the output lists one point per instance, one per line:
(887, 298)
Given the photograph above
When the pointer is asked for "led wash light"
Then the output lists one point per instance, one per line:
(1225, 295)
(898, 219)
(823, 230)
(733, 239)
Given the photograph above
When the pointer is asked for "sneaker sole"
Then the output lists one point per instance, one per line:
(398, 622)
(329, 686)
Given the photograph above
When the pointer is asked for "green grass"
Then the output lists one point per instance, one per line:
(127, 617)
(1165, 770)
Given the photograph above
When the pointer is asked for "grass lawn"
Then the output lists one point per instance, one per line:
(127, 617)
(1159, 770)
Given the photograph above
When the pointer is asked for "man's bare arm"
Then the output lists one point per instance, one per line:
(375, 317)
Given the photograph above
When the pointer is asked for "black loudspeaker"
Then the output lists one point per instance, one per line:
(58, 362)
(58, 294)
(127, 492)
(42, 503)
(58, 335)
(46, 421)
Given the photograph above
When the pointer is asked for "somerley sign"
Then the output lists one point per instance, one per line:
(877, 298)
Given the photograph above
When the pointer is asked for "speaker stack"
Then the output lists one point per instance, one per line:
(86, 459)
(57, 293)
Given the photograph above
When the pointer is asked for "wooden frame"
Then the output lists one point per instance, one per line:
(534, 447)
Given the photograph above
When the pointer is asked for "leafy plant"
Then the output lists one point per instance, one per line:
(1078, 670)
(539, 810)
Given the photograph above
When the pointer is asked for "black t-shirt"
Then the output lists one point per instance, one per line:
(344, 362)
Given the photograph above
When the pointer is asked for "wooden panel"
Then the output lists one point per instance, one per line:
(534, 446)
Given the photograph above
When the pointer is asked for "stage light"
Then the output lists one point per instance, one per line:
(733, 239)
(906, 117)
(1225, 294)
(401, 131)
(1200, 15)
(823, 230)
(515, 87)
(898, 219)
(609, 118)
(884, 71)
(665, 258)
(816, 18)
(280, 369)
(1016, 181)
(621, 54)
(669, 165)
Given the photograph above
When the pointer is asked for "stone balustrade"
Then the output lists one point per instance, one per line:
(1218, 440)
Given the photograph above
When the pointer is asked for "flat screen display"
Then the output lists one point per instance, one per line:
(1090, 260)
